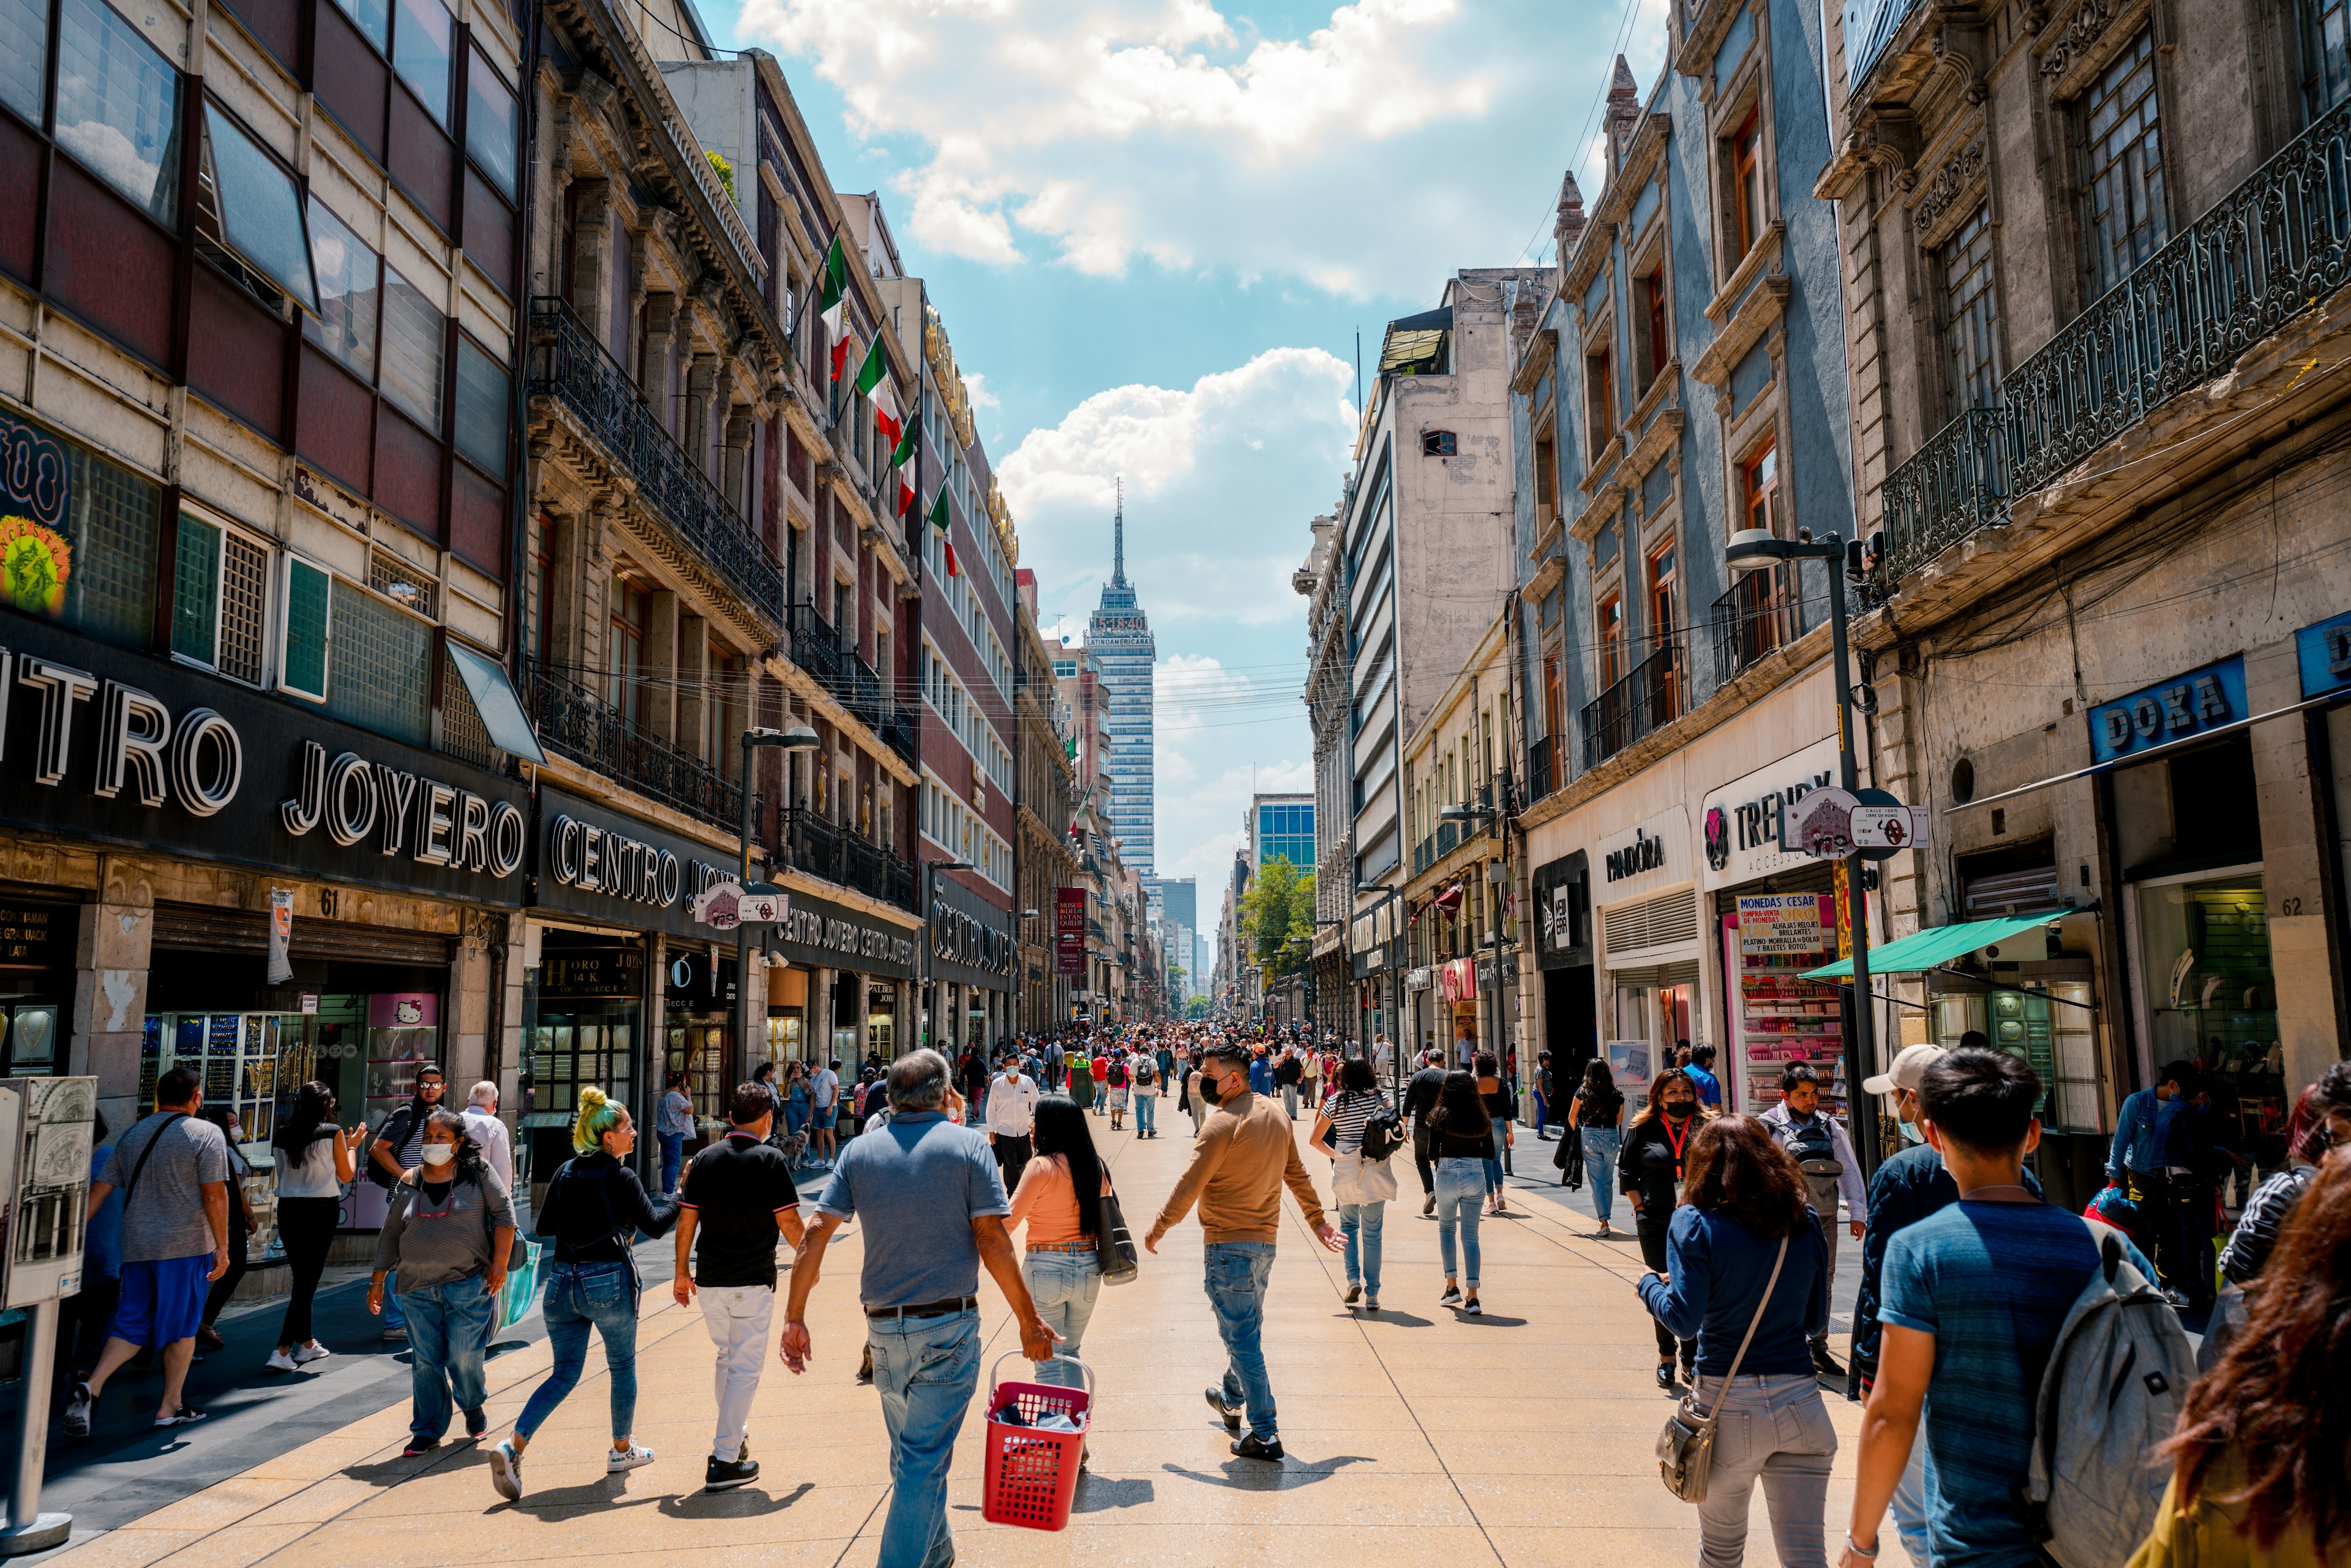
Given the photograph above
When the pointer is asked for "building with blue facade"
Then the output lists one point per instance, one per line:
(1118, 636)
(1282, 825)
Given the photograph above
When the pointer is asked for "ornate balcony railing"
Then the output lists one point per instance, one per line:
(808, 842)
(816, 648)
(1448, 839)
(569, 365)
(577, 721)
(2272, 247)
(1758, 616)
(1649, 696)
(1540, 778)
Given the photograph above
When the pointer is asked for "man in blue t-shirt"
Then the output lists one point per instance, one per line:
(1700, 1069)
(1973, 1297)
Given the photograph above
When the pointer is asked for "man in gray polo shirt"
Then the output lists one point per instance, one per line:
(934, 1208)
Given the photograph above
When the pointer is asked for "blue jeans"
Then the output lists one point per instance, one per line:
(580, 1295)
(1913, 1502)
(1601, 1145)
(1460, 1185)
(795, 1115)
(448, 1325)
(1493, 1178)
(1146, 1112)
(394, 1318)
(926, 1369)
(1237, 1273)
(1360, 1224)
(672, 1151)
(1064, 1286)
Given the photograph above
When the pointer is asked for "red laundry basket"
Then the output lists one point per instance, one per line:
(1032, 1476)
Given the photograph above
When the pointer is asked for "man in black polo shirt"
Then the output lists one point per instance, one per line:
(738, 1198)
(1419, 1099)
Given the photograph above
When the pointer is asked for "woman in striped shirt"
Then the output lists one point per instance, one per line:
(1362, 1188)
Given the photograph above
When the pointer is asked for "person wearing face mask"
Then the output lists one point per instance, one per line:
(397, 1149)
(1905, 1190)
(1649, 1169)
(447, 1233)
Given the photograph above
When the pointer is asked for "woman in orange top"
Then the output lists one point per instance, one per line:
(1060, 1198)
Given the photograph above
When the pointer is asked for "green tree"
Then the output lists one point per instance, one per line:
(1278, 913)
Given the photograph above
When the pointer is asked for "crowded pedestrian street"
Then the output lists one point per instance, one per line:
(1415, 1434)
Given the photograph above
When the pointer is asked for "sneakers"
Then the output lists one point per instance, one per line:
(1665, 1375)
(1371, 1303)
(478, 1421)
(1256, 1447)
(505, 1471)
(394, 1336)
(185, 1416)
(1353, 1291)
(281, 1361)
(1225, 1413)
(635, 1457)
(78, 1405)
(720, 1476)
(1428, 1205)
(418, 1443)
(1825, 1363)
(1452, 1297)
(1473, 1307)
(314, 1351)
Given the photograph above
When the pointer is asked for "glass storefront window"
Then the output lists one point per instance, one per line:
(2211, 998)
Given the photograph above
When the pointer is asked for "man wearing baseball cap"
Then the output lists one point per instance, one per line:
(1906, 1189)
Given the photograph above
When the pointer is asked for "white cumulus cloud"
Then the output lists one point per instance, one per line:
(1360, 155)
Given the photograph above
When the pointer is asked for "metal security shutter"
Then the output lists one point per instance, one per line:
(1658, 976)
(198, 928)
(1660, 922)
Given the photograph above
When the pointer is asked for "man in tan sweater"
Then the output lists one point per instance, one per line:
(1247, 1151)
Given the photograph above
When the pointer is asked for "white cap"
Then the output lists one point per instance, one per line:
(1909, 1070)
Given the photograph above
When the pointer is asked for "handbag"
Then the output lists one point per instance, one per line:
(1569, 1158)
(1112, 1243)
(1685, 1448)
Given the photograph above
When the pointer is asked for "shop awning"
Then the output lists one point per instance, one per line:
(1933, 948)
(494, 700)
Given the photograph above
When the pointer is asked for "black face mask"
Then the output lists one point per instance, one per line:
(1679, 1109)
(1211, 1091)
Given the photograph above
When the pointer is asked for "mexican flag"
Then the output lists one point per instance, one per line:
(905, 452)
(829, 294)
(874, 380)
(905, 494)
(939, 521)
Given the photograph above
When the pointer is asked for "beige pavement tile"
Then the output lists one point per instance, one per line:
(223, 1504)
(1617, 1547)
(133, 1547)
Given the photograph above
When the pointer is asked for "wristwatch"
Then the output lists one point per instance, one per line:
(1860, 1551)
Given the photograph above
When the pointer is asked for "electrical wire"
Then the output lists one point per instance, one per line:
(1584, 137)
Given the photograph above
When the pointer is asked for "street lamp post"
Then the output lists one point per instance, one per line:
(1759, 549)
(799, 737)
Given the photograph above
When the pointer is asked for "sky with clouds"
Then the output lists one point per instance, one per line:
(1153, 228)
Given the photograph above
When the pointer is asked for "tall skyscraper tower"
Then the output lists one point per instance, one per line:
(1119, 636)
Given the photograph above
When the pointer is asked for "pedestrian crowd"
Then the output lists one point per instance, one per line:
(2030, 1394)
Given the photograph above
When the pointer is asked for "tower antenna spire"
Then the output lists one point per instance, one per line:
(1118, 538)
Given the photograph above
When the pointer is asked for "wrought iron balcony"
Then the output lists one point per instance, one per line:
(577, 721)
(1541, 780)
(1448, 839)
(1758, 616)
(1649, 696)
(817, 648)
(807, 841)
(568, 364)
(2270, 249)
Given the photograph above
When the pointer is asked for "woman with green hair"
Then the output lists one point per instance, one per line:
(592, 1210)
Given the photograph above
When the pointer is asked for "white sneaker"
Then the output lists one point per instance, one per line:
(636, 1456)
(505, 1471)
(279, 1361)
(314, 1351)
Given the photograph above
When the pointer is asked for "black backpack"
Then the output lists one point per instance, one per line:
(1815, 1148)
(392, 1134)
(1383, 1133)
(1117, 1075)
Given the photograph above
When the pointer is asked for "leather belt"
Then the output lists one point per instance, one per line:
(927, 1308)
(1061, 1247)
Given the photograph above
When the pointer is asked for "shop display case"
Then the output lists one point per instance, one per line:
(1778, 1019)
(2212, 998)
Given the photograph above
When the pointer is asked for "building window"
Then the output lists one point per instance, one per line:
(1610, 625)
(349, 279)
(491, 118)
(302, 658)
(2122, 166)
(220, 600)
(1600, 398)
(1438, 443)
(247, 205)
(1657, 350)
(24, 56)
(420, 54)
(2326, 54)
(119, 107)
(485, 407)
(1970, 316)
(1743, 150)
(1758, 488)
(379, 674)
(413, 343)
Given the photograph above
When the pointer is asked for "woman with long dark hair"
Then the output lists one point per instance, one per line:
(1496, 1099)
(593, 1209)
(1744, 1251)
(1597, 1112)
(2259, 1455)
(1651, 1162)
(1360, 1188)
(448, 1230)
(1460, 1140)
(1060, 1200)
(316, 1160)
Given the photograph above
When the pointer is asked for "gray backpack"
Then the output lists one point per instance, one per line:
(2117, 1377)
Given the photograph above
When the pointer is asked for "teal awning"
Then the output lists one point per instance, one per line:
(1934, 948)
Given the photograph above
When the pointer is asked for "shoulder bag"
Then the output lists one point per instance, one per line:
(139, 1169)
(1685, 1448)
(1113, 1244)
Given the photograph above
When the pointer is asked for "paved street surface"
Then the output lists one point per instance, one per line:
(1524, 1437)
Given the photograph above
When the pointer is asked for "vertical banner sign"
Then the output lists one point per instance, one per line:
(1843, 912)
(281, 934)
(1069, 930)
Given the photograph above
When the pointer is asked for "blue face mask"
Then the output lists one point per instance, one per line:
(1910, 1133)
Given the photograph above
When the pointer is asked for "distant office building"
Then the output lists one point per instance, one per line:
(1282, 825)
(1118, 634)
(1180, 897)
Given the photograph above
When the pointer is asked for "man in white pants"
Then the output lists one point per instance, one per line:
(738, 1198)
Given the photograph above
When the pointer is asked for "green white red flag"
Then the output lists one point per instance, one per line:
(831, 292)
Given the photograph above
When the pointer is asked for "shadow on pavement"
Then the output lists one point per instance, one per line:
(1256, 1475)
(1488, 1320)
(743, 1502)
(1401, 1319)
(1098, 1494)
